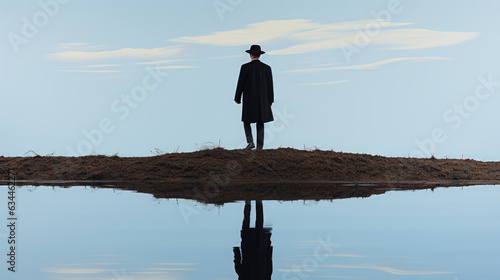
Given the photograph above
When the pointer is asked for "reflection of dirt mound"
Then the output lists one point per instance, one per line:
(220, 167)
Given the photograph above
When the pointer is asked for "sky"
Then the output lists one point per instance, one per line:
(138, 78)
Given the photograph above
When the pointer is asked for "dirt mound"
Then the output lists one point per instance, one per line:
(277, 165)
(285, 168)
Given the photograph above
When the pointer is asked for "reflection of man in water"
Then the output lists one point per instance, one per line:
(254, 261)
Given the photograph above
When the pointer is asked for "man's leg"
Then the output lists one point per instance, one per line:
(260, 135)
(259, 221)
(248, 134)
(246, 215)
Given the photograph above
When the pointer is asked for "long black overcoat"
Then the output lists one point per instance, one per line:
(255, 83)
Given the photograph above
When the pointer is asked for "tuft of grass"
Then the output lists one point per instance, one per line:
(50, 154)
(31, 153)
(158, 152)
(208, 146)
(311, 149)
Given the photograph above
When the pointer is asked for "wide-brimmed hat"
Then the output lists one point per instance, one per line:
(255, 50)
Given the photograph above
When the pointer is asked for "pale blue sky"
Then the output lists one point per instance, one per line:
(68, 69)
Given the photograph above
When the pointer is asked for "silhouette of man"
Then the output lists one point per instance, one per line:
(255, 83)
(254, 261)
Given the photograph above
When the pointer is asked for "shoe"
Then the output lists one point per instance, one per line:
(250, 146)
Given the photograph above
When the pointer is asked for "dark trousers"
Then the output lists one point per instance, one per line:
(259, 219)
(260, 134)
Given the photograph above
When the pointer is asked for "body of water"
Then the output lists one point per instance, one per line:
(90, 233)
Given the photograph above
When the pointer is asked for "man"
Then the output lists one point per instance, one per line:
(255, 83)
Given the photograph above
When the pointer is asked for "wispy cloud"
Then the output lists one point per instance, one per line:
(81, 47)
(303, 36)
(83, 264)
(176, 67)
(327, 64)
(93, 71)
(369, 66)
(228, 56)
(168, 269)
(64, 270)
(295, 270)
(338, 255)
(411, 39)
(104, 62)
(175, 263)
(326, 31)
(101, 65)
(322, 83)
(106, 77)
(329, 276)
(112, 271)
(401, 39)
(158, 62)
(388, 269)
(253, 33)
(339, 277)
(123, 54)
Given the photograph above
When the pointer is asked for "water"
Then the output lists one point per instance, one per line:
(86, 233)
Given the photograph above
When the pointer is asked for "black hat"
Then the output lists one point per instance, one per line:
(255, 50)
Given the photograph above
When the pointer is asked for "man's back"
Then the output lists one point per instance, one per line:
(256, 85)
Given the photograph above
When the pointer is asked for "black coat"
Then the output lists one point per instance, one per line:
(255, 83)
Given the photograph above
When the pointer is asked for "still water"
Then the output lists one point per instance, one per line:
(88, 233)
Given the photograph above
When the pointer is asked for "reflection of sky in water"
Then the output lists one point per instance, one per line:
(83, 233)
